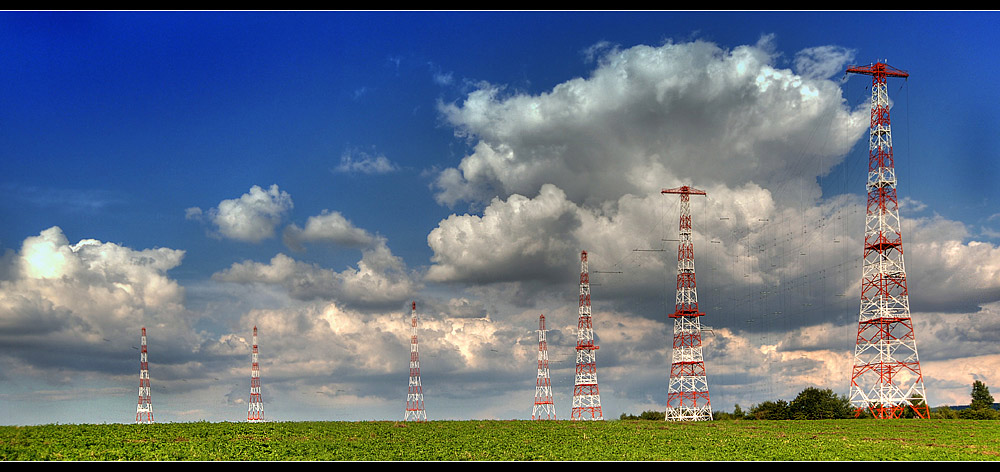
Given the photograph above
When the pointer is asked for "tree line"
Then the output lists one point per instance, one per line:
(817, 404)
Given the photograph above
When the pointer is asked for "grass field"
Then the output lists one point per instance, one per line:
(631, 440)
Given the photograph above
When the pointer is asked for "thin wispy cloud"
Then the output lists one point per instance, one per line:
(360, 162)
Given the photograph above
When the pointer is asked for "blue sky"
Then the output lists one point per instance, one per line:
(312, 172)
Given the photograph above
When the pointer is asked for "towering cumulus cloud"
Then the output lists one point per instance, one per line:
(59, 297)
(653, 116)
(599, 150)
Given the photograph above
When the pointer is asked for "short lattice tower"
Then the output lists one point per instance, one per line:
(415, 396)
(144, 409)
(586, 395)
(687, 393)
(255, 410)
(886, 379)
(545, 408)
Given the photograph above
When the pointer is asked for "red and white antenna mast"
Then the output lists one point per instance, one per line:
(545, 408)
(144, 410)
(886, 378)
(255, 410)
(687, 395)
(415, 396)
(586, 396)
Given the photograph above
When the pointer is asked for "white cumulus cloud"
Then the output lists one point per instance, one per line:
(251, 218)
(328, 227)
(379, 280)
(62, 302)
(649, 116)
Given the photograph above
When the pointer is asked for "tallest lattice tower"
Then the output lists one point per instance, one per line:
(687, 393)
(144, 408)
(886, 378)
(415, 395)
(586, 394)
(255, 408)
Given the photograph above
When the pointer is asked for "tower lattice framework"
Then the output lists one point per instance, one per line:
(687, 394)
(415, 396)
(545, 408)
(886, 378)
(586, 395)
(255, 410)
(144, 409)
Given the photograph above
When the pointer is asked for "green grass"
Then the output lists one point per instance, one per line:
(832, 440)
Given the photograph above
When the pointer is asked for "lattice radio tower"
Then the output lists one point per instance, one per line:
(144, 409)
(886, 378)
(586, 396)
(415, 396)
(255, 410)
(687, 395)
(545, 408)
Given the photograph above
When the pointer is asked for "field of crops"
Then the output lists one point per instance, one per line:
(832, 440)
